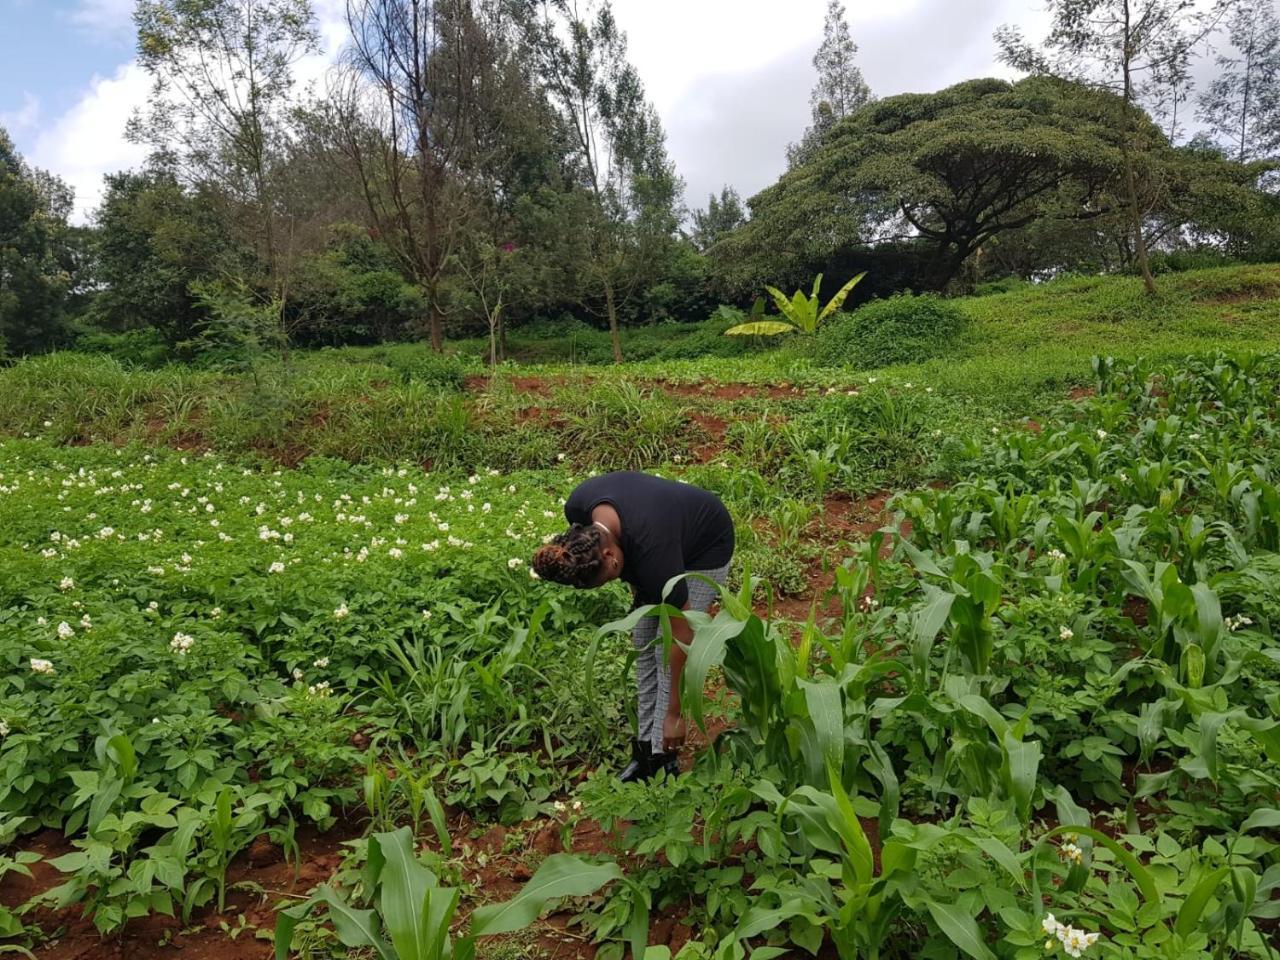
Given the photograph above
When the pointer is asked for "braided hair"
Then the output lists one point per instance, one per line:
(572, 557)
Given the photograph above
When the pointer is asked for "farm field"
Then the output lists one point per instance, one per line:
(995, 674)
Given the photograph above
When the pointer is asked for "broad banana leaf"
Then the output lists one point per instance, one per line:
(761, 328)
(838, 300)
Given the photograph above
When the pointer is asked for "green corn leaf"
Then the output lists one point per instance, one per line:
(1193, 907)
(857, 847)
(999, 851)
(826, 713)
(1140, 874)
(560, 875)
(926, 621)
(961, 929)
(410, 909)
(637, 929)
(757, 919)
(1022, 761)
(121, 750)
(706, 651)
(435, 810)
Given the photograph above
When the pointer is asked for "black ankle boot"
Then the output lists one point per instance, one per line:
(668, 763)
(640, 767)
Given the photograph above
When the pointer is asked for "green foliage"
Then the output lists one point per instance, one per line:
(155, 238)
(962, 166)
(35, 255)
(802, 313)
(411, 914)
(901, 329)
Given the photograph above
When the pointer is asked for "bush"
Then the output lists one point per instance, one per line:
(443, 371)
(707, 339)
(144, 349)
(900, 329)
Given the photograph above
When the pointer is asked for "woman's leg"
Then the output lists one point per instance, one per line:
(648, 674)
(701, 596)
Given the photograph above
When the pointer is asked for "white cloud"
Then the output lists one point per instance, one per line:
(731, 78)
(108, 20)
(88, 140)
(24, 118)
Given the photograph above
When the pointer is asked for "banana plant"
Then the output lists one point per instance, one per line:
(803, 313)
(411, 914)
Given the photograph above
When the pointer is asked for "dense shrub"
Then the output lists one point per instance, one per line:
(444, 371)
(145, 348)
(900, 329)
(707, 339)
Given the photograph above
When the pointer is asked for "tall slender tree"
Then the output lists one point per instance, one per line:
(403, 127)
(1241, 106)
(1170, 87)
(1117, 45)
(618, 151)
(223, 75)
(840, 88)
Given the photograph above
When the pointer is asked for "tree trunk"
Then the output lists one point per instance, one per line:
(435, 324)
(502, 339)
(613, 321)
(1135, 219)
(1130, 177)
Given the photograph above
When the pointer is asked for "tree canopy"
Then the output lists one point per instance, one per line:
(945, 173)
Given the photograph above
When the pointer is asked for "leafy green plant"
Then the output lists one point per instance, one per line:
(411, 915)
(803, 313)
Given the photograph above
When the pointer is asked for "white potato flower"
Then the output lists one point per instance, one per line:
(42, 666)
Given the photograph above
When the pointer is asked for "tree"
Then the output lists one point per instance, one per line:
(222, 73)
(1241, 106)
(722, 216)
(420, 71)
(1115, 45)
(943, 173)
(155, 237)
(1170, 86)
(35, 255)
(840, 88)
(619, 153)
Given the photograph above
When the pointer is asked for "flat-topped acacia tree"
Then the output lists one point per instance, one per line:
(948, 171)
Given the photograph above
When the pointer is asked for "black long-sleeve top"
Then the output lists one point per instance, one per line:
(668, 528)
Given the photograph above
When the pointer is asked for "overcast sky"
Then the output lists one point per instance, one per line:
(730, 78)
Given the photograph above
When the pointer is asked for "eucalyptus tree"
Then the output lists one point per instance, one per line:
(840, 88)
(617, 153)
(1241, 106)
(723, 215)
(1116, 45)
(223, 74)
